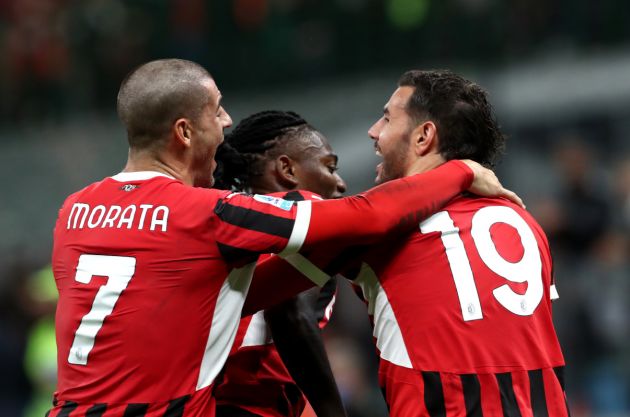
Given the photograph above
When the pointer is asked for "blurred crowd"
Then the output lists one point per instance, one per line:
(63, 56)
(587, 221)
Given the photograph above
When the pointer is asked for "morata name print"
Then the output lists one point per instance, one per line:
(141, 217)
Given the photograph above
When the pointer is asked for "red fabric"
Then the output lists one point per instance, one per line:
(149, 349)
(360, 219)
(417, 278)
(254, 377)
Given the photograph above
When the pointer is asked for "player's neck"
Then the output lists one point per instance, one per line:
(425, 163)
(144, 162)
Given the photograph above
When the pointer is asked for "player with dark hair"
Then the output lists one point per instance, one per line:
(280, 154)
(152, 268)
(465, 327)
(461, 307)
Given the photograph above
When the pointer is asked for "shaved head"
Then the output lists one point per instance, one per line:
(156, 94)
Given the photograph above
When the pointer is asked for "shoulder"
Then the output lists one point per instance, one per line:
(297, 195)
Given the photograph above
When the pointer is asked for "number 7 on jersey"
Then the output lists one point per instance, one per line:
(119, 270)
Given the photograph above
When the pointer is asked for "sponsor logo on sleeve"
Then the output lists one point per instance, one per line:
(274, 201)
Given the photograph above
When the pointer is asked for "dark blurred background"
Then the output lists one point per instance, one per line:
(558, 73)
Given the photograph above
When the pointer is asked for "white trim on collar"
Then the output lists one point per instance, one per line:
(138, 176)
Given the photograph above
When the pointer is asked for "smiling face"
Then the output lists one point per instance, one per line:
(207, 135)
(392, 137)
(316, 167)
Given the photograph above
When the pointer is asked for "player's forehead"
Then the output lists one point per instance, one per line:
(214, 94)
(316, 143)
(398, 101)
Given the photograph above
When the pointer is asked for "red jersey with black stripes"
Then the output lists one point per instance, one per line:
(152, 275)
(151, 279)
(255, 378)
(462, 315)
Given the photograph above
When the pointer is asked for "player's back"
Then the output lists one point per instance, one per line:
(462, 314)
(140, 275)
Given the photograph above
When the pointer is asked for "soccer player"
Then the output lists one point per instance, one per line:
(462, 306)
(278, 153)
(152, 267)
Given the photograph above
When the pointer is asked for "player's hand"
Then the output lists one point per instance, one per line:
(487, 184)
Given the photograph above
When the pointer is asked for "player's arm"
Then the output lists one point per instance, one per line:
(398, 205)
(248, 227)
(297, 337)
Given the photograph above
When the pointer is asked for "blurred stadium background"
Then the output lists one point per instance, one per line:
(558, 72)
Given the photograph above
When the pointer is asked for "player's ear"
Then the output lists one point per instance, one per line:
(425, 138)
(286, 171)
(182, 131)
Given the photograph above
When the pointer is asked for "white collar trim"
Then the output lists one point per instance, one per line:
(138, 176)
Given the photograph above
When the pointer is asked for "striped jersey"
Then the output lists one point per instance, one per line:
(255, 378)
(152, 275)
(462, 315)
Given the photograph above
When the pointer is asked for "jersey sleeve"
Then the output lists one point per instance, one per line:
(398, 205)
(250, 226)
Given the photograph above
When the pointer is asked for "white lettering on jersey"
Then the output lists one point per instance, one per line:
(79, 210)
(105, 217)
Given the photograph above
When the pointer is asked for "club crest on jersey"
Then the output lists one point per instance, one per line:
(274, 201)
(129, 187)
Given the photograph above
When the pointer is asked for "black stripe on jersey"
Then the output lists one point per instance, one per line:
(508, 398)
(472, 395)
(384, 392)
(326, 294)
(293, 196)
(559, 371)
(233, 255)
(136, 410)
(254, 220)
(345, 262)
(97, 410)
(232, 411)
(433, 394)
(176, 407)
(537, 393)
(67, 408)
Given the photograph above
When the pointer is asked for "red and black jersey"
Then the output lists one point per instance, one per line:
(145, 267)
(462, 315)
(255, 378)
(152, 275)
(461, 311)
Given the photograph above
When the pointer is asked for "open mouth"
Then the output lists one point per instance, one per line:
(379, 167)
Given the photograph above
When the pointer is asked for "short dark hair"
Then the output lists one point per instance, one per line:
(255, 140)
(466, 124)
(154, 95)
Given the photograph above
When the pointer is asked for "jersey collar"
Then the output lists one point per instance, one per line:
(138, 176)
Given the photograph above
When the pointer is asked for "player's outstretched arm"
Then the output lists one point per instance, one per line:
(297, 337)
(398, 205)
